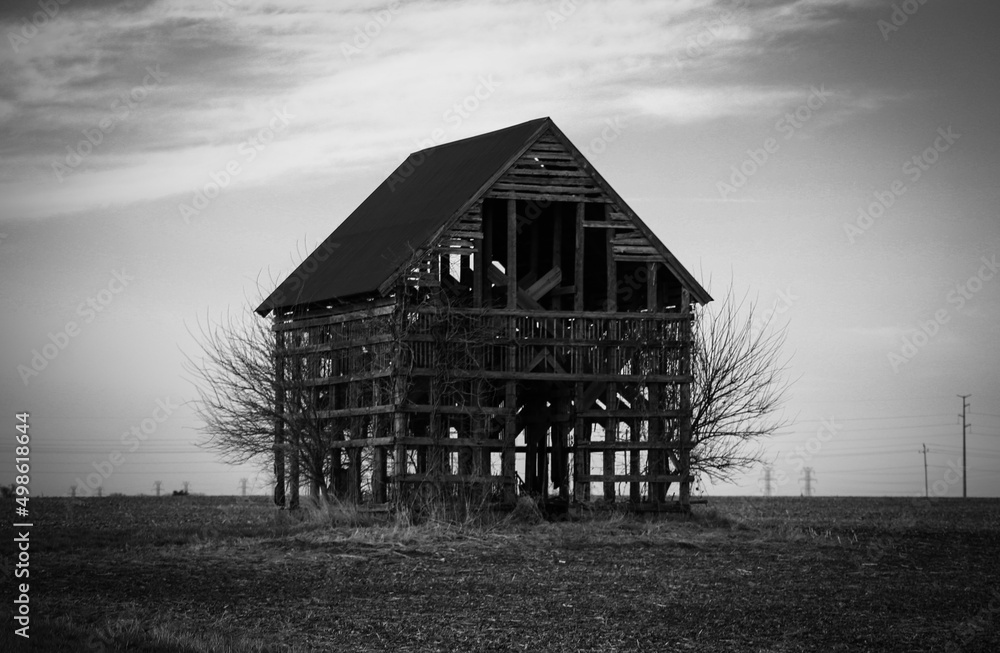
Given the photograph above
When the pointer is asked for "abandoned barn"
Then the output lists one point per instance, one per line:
(492, 319)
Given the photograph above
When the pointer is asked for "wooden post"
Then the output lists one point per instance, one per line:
(578, 260)
(378, 453)
(652, 303)
(279, 422)
(657, 457)
(486, 258)
(684, 457)
(610, 436)
(511, 253)
(293, 464)
(510, 435)
(635, 491)
(557, 252)
(612, 290)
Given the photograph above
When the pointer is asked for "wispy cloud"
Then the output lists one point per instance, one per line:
(364, 81)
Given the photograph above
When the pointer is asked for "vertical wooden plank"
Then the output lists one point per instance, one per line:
(487, 255)
(557, 253)
(279, 422)
(507, 463)
(612, 291)
(651, 290)
(477, 277)
(581, 457)
(578, 272)
(657, 457)
(511, 253)
(610, 436)
(293, 464)
(378, 453)
(634, 468)
(684, 455)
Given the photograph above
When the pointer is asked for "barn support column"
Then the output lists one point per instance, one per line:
(684, 457)
(634, 467)
(581, 456)
(294, 480)
(610, 436)
(378, 453)
(511, 253)
(578, 260)
(279, 426)
(507, 462)
(657, 457)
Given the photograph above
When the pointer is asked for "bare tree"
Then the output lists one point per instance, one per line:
(739, 386)
(236, 377)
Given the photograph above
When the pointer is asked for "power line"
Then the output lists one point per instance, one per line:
(965, 427)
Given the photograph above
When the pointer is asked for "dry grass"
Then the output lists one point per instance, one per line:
(218, 574)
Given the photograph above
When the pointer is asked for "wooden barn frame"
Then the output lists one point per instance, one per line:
(492, 319)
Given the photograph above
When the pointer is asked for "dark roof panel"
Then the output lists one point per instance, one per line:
(421, 196)
(426, 190)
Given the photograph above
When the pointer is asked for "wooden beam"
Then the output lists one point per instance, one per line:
(651, 290)
(578, 272)
(512, 253)
(641, 478)
(581, 458)
(610, 436)
(612, 265)
(522, 298)
(487, 259)
(556, 301)
(549, 280)
(507, 462)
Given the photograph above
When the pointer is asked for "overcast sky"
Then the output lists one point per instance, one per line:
(837, 160)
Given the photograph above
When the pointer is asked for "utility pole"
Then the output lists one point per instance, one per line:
(926, 493)
(767, 480)
(157, 484)
(808, 480)
(243, 487)
(965, 427)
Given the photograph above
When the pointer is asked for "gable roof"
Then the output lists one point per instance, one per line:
(429, 191)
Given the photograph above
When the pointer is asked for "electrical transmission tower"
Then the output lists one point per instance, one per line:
(767, 480)
(965, 426)
(808, 480)
(100, 491)
(72, 491)
(243, 487)
(157, 484)
(185, 487)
